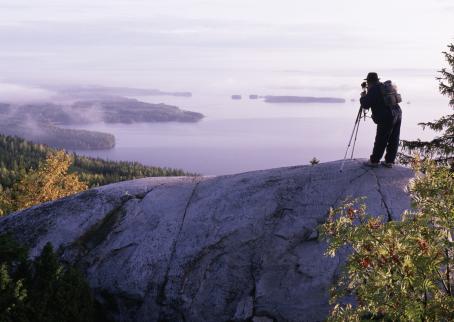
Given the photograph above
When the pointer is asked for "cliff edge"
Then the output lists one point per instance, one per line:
(238, 247)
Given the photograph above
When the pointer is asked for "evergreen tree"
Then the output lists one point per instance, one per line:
(12, 296)
(441, 148)
(18, 157)
(34, 173)
(42, 290)
(6, 205)
(58, 293)
(13, 271)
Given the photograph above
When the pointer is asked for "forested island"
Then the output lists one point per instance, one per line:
(57, 137)
(302, 99)
(113, 110)
(18, 156)
(127, 110)
(41, 122)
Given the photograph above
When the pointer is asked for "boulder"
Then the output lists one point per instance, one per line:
(227, 248)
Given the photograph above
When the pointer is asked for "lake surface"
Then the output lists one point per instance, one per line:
(244, 135)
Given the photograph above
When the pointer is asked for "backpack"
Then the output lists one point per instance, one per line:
(390, 94)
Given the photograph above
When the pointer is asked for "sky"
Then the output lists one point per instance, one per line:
(116, 42)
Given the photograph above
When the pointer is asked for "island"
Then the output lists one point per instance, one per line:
(302, 99)
(132, 111)
(57, 137)
(47, 123)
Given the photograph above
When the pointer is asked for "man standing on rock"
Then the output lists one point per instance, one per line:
(386, 113)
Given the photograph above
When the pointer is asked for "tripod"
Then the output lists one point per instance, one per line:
(355, 135)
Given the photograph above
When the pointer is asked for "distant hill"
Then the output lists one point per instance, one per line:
(97, 91)
(17, 156)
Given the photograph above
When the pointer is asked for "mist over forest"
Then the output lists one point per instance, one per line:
(48, 119)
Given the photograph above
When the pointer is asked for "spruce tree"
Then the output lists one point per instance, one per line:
(441, 148)
(41, 290)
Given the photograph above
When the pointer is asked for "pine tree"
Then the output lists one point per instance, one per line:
(6, 203)
(441, 148)
(13, 292)
(41, 290)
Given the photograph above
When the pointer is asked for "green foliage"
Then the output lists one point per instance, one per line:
(41, 290)
(50, 181)
(398, 270)
(12, 289)
(18, 156)
(25, 179)
(98, 172)
(441, 148)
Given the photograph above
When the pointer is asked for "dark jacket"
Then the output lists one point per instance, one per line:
(380, 112)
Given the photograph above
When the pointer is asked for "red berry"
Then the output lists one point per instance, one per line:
(365, 262)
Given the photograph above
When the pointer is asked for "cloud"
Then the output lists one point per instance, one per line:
(15, 93)
(164, 31)
(195, 23)
(86, 39)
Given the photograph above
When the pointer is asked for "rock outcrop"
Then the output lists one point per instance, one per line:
(228, 248)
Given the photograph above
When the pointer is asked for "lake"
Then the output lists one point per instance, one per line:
(244, 135)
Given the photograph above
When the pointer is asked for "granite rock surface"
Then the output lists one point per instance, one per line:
(242, 247)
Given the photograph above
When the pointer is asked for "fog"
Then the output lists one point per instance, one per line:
(10, 92)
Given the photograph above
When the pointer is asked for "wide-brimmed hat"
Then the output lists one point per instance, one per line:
(372, 77)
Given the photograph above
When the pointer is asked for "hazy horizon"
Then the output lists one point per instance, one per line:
(125, 42)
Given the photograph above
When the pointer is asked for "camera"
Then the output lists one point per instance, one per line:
(364, 87)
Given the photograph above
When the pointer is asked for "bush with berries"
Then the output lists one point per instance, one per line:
(397, 270)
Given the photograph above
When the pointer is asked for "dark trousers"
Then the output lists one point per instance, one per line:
(387, 138)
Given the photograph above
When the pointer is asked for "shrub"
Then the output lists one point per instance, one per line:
(397, 270)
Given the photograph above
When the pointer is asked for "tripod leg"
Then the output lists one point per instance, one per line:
(353, 132)
(356, 136)
(358, 117)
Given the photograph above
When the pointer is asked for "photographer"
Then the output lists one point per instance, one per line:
(388, 116)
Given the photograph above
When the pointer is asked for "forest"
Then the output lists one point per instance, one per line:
(18, 157)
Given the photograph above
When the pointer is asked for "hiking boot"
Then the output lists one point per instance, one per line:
(387, 164)
(371, 164)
